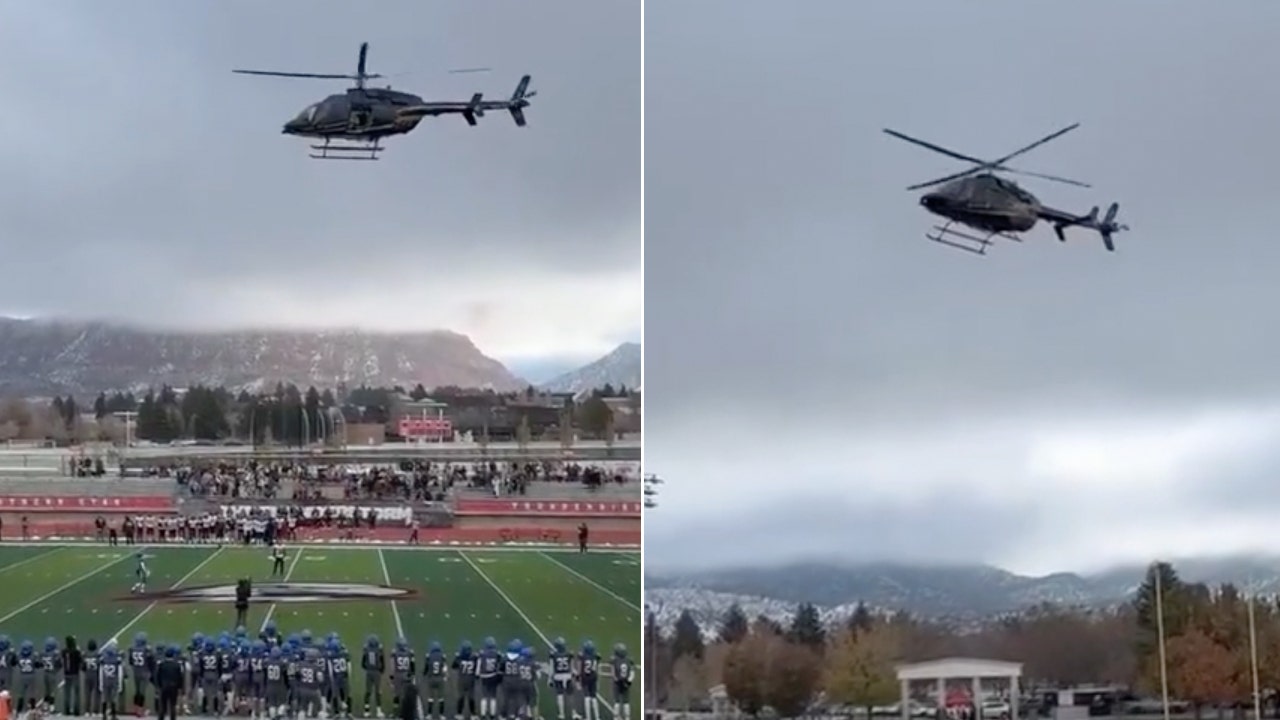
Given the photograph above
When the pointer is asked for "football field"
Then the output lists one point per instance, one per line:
(427, 594)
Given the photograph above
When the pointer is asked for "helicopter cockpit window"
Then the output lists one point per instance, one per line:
(308, 115)
(1013, 189)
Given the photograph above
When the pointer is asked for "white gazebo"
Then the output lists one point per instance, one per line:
(972, 669)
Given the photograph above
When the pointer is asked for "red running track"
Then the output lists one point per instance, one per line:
(515, 533)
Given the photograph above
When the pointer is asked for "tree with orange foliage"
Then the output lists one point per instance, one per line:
(860, 669)
(767, 670)
(1201, 671)
(745, 671)
(794, 671)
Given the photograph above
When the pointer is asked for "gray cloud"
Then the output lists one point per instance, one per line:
(791, 298)
(135, 152)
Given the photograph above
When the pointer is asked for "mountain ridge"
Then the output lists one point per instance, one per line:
(954, 592)
(621, 366)
(56, 356)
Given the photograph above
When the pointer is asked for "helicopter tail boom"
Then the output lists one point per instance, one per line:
(1106, 227)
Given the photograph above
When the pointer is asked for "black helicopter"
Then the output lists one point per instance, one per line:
(363, 116)
(980, 199)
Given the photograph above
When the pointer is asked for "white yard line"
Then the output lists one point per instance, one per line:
(528, 621)
(395, 609)
(123, 556)
(287, 574)
(593, 583)
(28, 561)
(148, 608)
(174, 586)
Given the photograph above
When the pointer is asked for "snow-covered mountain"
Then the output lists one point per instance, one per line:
(620, 367)
(957, 593)
(708, 608)
(39, 357)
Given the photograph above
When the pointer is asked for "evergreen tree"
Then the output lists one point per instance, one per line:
(734, 627)
(314, 423)
(100, 406)
(861, 620)
(70, 412)
(688, 637)
(418, 393)
(806, 627)
(594, 416)
(146, 421)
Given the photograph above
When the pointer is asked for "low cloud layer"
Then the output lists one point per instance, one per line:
(147, 183)
(822, 381)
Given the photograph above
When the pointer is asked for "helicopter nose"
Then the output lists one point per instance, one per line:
(933, 201)
(291, 127)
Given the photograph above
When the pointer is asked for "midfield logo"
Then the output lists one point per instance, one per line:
(279, 593)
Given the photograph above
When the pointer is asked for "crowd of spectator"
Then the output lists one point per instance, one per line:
(413, 481)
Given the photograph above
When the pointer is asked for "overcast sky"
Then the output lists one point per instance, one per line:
(824, 382)
(133, 153)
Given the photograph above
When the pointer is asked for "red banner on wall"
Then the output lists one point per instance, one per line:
(76, 503)
(559, 508)
(413, 427)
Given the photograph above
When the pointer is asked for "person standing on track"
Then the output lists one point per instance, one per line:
(169, 681)
(277, 560)
(243, 591)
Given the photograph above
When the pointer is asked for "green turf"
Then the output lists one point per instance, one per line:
(536, 596)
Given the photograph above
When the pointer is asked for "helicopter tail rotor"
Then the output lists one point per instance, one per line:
(520, 100)
(1106, 227)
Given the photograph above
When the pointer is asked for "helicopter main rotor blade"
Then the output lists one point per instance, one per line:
(993, 165)
(1042, 176)
(952, 176)
(1032, 146)
(935, 148)
(364, 53)
(273, 73)
(322, 76)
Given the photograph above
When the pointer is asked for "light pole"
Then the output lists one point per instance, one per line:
(651, 483)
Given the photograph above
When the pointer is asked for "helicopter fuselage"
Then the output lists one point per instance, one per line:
(363, 114)
(985, 202)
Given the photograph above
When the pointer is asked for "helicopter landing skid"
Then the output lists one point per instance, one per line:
(964, 241)
(362, 151)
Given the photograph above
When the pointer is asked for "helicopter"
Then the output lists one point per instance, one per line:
(982, 200)
(362, 116)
